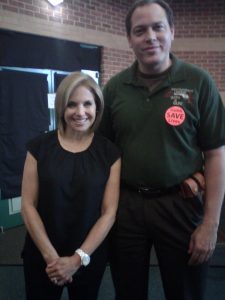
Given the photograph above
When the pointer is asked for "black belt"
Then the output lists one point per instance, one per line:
(151, 192)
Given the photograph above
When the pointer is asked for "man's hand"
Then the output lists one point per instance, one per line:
(202, 243)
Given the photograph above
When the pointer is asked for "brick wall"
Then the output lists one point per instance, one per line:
(113, 61)
(213, 62)
(202, 19)
(193, 18)
(199, 18)
(100, 15)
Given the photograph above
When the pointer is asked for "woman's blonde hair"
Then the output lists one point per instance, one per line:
(67, 87)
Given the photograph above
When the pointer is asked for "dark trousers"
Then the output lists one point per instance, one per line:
(166, 222)
(85, 285)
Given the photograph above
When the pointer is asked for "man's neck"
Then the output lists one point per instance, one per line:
(151, 81)
(154, 70)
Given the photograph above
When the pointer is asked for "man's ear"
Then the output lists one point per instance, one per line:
(129, 41)
(172, 29)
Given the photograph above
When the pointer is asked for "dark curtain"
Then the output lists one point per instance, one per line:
(33, 51)
(57, 79)
(23, 114)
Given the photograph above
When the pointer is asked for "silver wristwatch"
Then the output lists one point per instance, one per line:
(84, 257)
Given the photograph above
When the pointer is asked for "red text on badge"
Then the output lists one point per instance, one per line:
(175, 115)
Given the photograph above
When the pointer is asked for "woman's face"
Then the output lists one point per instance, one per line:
(80, 112)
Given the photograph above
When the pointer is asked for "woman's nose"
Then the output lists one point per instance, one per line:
(80, 110)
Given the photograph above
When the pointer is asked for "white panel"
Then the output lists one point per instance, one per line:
(14, 205)
(51, 100)
(93, 74)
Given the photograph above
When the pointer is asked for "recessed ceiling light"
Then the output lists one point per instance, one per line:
(55, 2)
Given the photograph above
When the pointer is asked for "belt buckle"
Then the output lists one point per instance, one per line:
(143, 189)
(149, 191)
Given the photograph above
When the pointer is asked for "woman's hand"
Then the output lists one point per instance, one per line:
(61, 270)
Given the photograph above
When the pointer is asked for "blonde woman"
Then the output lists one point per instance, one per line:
(70, 195)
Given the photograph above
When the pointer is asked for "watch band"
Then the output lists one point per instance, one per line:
(84, 257)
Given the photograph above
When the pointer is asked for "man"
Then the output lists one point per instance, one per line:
(169, 121)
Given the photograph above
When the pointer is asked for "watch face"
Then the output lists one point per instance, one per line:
(85, 260)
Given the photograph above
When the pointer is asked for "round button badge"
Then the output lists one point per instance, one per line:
(175, 115)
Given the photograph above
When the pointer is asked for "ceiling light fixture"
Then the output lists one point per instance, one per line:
(55, 2)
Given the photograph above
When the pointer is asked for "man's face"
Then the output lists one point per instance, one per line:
(150, 38)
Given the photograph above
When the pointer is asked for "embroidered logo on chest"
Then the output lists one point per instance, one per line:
(179, 96)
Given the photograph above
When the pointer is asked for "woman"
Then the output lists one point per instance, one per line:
(70, 194)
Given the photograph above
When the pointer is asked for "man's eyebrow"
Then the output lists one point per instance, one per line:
(144, 26)
(151, 24)
(140, 26)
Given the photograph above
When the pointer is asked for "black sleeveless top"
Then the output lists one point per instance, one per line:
(71, 188)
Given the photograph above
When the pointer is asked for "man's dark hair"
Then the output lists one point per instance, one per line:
(140, 3)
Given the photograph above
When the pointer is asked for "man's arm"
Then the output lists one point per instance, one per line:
(203, 239)
(106, 125)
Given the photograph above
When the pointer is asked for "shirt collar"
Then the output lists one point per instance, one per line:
(176, 73)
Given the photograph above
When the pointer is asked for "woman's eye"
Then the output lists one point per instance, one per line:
(71, 104)
(88, 103)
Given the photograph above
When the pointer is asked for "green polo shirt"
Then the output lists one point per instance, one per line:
(162, 134)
